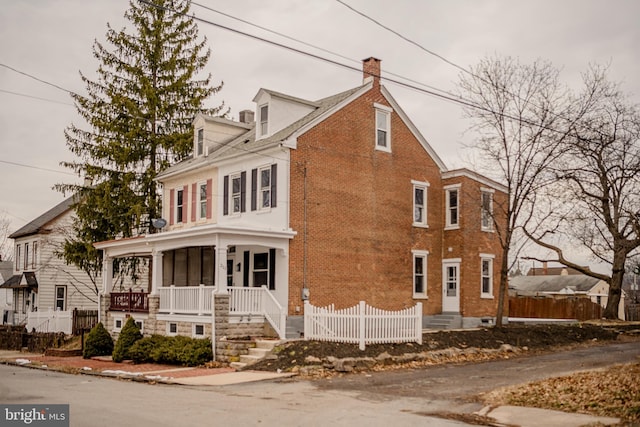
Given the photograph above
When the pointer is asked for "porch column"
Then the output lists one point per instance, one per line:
(156, 276)
(221, 269)
(107, 275)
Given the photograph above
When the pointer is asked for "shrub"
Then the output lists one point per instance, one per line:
(97, 343)
(178, 350)
(129, 334)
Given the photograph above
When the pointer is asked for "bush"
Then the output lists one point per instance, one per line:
(129, 334)
(176, 350)
(98, 342)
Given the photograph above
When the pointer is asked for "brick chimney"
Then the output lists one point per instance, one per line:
(371, 70)
(247, 116)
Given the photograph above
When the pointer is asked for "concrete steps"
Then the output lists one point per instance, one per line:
(444, 321)
(262, 349)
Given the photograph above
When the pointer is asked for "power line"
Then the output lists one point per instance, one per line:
(36, 167)
(35, 97)
(38, 79)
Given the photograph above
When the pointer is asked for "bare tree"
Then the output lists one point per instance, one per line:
(6, 248)
(519, 114)
(597, 194)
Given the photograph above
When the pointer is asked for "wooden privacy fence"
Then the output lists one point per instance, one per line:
(83, 320)
(551, 308)
(363, 324)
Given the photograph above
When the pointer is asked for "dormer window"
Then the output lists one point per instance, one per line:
(200, 143)
(264, 120)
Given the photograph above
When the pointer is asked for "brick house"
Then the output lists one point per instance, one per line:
(335, 201)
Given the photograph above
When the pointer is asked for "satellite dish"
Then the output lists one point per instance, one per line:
(158, 223)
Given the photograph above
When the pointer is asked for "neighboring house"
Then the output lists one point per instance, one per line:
(564, 285)
(6, 295)
(41, 282)
(332, 201)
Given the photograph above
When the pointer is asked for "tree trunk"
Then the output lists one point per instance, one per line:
(615, 286)
(503, 290)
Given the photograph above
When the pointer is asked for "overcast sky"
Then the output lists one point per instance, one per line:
(52, 40)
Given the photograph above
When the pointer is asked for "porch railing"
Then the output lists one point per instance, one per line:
(186, 299)
(129, 301)
(258, 301)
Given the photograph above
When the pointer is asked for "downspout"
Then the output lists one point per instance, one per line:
(305, 286)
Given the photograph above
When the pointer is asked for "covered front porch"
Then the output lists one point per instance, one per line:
(188, 269)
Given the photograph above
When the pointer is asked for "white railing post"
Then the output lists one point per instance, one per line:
(361, 320)
(200, 299)
(172, 290)
(418, 314)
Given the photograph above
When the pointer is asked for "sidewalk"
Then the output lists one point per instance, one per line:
(148, 372)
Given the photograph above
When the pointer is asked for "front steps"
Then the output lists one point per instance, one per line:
(444, 321)
(259, 351)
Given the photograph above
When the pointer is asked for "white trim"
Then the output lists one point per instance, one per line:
(447, 212)
(199, 201)
(489, 258)
(476, 177)
(383, 107)
(193, 330)
(387, 129)
(425, 206)
(424, 255)
(259, 133)
(183, 220)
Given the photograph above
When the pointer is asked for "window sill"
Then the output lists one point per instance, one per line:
(420, 296)
(487, 230)
(486, 296)
(419, 225)
(452, 227)
(383, 149)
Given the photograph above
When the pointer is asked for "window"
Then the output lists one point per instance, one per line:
(486, 275)
(117, 325)
(198, 331)
(234, 188)
(172, 328)
(179, 204)
(34, 256)
(264, 187)
(452, 206)
(61, 298)
(236, 193)
(200, 145)
(383, 127)
(419, 274)
(487, 210)
(260, 269)
(202, 200)
(420, 203)
(264, 120)
(26, 256)
(140, 325)
(18, 257)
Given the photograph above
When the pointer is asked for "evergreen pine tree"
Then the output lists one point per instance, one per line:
(138, 115)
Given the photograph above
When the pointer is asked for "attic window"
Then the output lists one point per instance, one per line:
(264, 120)
(383, 127)
(200, 146)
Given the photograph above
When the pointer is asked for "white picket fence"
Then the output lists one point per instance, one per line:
(363, 324)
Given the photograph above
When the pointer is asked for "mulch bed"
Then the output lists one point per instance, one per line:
(533, 337)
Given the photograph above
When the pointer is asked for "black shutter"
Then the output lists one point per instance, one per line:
(245, 269)
(243, 192)
(272, 269)
(254, 189)
(274, 185)
(225, 199)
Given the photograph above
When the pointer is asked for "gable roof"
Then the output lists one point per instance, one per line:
(37, 225)
(6, 270)
(552, 284)
(551, 271)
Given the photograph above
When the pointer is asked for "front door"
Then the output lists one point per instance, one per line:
(451, 286)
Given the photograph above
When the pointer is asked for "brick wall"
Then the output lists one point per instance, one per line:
(360, 212)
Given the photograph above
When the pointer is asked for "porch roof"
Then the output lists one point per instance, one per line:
(210, 234)
(24, 280)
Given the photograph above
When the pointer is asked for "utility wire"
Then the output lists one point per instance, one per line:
(38, 79)
(35, 167)
(35, 97)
